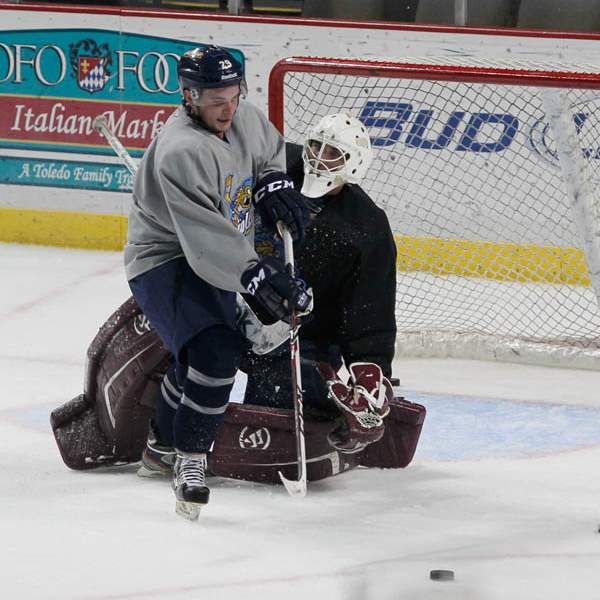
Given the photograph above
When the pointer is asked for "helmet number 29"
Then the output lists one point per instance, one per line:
(225, 64)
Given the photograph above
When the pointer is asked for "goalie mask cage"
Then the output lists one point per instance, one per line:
(488, 173)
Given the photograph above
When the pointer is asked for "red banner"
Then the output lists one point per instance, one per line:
(68, 121)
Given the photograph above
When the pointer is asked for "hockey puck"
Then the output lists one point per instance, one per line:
(441, 575)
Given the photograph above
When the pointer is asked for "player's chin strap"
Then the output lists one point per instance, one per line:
(295, 487)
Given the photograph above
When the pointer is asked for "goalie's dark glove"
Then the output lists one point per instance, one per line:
(269, 282)
(276, 200)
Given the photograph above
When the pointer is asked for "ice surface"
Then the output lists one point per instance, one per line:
(504, 490)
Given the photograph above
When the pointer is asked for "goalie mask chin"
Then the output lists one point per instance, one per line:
(337, 151)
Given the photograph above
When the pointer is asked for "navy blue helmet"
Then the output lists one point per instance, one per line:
(210, 67)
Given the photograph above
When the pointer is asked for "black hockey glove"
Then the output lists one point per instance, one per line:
(270, 283)
(276, 200)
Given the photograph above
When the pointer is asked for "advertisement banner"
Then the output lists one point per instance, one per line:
(65, 173)
(54, 82)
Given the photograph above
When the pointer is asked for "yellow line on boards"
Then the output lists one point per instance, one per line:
(277, 9)
(503, 261)
(63, 228)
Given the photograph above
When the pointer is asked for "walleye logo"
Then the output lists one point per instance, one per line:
(239, 204)
(259, 439)
(91, 64)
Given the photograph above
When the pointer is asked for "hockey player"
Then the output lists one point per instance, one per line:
(349, 260)
(190, 249)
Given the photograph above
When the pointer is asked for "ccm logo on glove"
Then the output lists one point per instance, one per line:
(270, 283)
(274, 186)
(253, 284)
(276, 200)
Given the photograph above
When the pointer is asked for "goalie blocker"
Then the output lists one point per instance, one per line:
(108, 424)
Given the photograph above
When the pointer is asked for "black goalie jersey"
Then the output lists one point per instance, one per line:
(349, 259)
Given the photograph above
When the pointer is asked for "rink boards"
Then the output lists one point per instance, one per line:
(62, 186)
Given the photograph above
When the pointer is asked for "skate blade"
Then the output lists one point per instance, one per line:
(188, 510)
(153, 473)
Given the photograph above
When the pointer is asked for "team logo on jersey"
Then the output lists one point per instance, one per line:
(240, 202)
(255, 439)
(91, 64)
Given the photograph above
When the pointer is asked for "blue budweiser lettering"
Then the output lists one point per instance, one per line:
(395, 116)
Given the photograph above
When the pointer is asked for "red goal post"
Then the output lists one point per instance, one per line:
(407, 70)
(488, 172)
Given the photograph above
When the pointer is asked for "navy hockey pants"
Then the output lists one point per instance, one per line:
(194, 394)
(196, 321)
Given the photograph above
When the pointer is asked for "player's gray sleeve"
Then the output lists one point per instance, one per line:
(214, 248)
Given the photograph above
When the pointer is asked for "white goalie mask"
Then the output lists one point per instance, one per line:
(337, 151)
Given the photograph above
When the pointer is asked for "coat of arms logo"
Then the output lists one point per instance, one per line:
(91, 64)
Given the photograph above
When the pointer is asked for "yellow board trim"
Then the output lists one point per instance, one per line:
(62, 228)
(526, 263)
(502, 261)
(277, 9)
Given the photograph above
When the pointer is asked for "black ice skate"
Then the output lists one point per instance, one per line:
(189, 484)
(157, 460)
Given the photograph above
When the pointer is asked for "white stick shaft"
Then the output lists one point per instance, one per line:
(298, 487)
(101, 126)
(288, 249)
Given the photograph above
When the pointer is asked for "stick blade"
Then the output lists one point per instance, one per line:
(293, 487)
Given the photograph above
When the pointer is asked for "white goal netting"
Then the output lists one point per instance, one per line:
(495, 240)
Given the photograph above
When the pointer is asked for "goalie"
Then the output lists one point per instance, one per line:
(349, 260)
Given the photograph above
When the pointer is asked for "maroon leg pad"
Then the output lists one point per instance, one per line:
(78, 435)
(126, 361)
(109, 423)
(402, 430)
(257, 442)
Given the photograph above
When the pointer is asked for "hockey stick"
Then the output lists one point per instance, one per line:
(101, 126)
(295, 487)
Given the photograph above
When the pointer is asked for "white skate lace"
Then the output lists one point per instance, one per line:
(191, 471)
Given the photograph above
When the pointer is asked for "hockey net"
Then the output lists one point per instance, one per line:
(488, 174)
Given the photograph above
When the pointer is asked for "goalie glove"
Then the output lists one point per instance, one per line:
(275, 199)
(364, 403)
(274, 288)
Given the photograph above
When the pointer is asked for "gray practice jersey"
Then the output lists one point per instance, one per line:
(192, 196)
